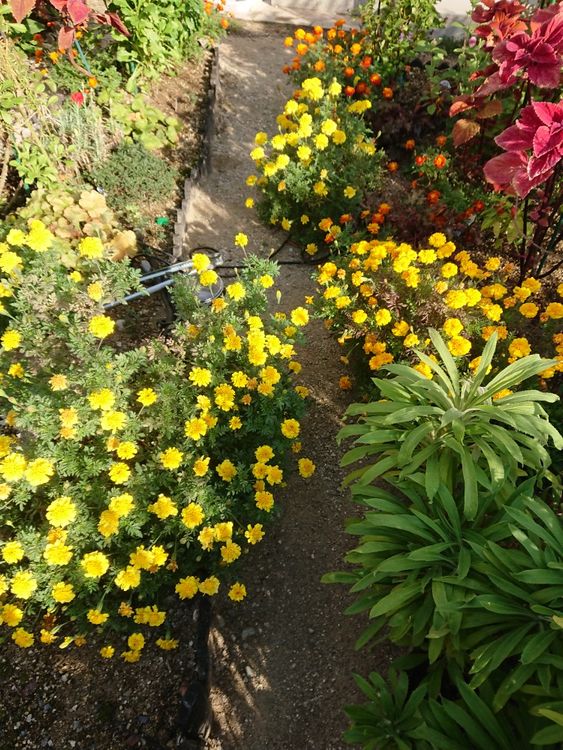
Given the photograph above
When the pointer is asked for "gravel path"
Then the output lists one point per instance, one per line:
(283, 659)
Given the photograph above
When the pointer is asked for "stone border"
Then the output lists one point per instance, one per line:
(203, 165)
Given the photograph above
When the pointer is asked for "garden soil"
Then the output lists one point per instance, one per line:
(282, 659)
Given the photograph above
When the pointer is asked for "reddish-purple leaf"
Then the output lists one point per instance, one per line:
(490, 109)
(66, 37)
(501, 170)
(515, 138)
(78, 11)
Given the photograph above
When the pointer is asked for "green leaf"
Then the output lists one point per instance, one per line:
(400, 596)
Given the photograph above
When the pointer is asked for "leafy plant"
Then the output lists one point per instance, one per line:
(131, 177)
(452, 431)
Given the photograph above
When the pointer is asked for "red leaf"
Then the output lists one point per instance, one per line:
(66, 37)
(490, 109)
(461, 105)
(21, 8)
(58, 4)
(464, 130)
(78, 11)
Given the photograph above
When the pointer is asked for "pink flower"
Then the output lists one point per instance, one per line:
(539, 130)
(538, 55)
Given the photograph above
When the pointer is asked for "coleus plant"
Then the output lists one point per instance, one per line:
(516, 106)
(74, 14)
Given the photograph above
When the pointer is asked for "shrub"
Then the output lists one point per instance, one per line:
(130, 476)
(132, 176)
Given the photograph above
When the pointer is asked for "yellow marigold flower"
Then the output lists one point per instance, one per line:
(241, 239)
(171, 458)
(528, 310)
(47, 636)
(223, 531)
(22, 638)
(136, 641)
(453, 327)
(230, 552)
(449, 270)
(320, 188)
(424, 369)
(200, 376)
(235, 423)
(10, 262)
(208, 278)
(107, 652)
(300, 316)
(128, 578)
(411, 340)
(195, 428)
(147, 396)
(127, 450)
(63, 593)
(113, 421)
(187, 588)
(226, 470)
(11, 340)
(533, 285)
(236, 291)
(459, 346)
(119, 473)
(201, 466)
(102, 399)
(58, 382)
(94, 564)
(61, 511)
(122, 505)
(57, 553)
(15, 237)
(254, 534)
(264, 500)
(266, 281)
(382, 317)
(39, 471)
(502, 394)
(306, 468)
(200, 262)
(472, 296)
(493, 264)
(108, 523)
(274, 475)
(11, 615)
(456, 298)
(101, 326)
(237, 592)
(131, 657)
(23, 584)
(437, 240)
(339, 137)
(12, 552)
(359, 317)
(224, 396)
(96, 617)
(210, 586)
(290, 428)
(518, 348)
(554, 310)
(91, 247)
(192, 515)
(95, 291)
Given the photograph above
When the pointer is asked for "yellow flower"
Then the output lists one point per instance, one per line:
(427, 256)
(128, 578)
(61, 511)
(12, 467)
(382, 317)
(15, 237)
(95, 291)
(11, 340)
(23, 584)
(290, 428)
(201, 466)
(96, 617)
(456, 298)
(163, 507)
(58, 382)
(63, 593)
(236, 291)
(136, 641)
(300, 316)
(254, 534)
(57, 553)
(449, 270)
(200, 376)
(122, 505)
(210, 586)
(9, 262)
(119, 473)
(39, 471)
(223, 531)
(493, 264)
(224, 396)
(241, 239)
(187, 588)
(22, 638)
(264, 500)
(226, 470)
(306, 467)
(554, 310)
(195, 428)
(230, 552)
(339, 137)
(113, 420)
(459, 346)
(106, 652)
(102, 399)
(453, 327)
(237, 592)
(192, 515)
(518, 348)
(411, 340)
(101, 326)
(127, 450)
(91, 247)
(171, 458)
(266, 281)
(12, 552)
(94, 564)
(401, 328)
(108, 523)
(147, 396)
(320, 188)
(437, 240)
(11, 615)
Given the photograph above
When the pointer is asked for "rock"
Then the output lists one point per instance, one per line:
(248, 633)
(249, 671)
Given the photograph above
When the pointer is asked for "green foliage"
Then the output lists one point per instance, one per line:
(139, 121)
(131, 177)
(452, 431)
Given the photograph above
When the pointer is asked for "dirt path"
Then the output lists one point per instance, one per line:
(283, 659)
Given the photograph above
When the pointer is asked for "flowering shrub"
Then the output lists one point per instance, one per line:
(131, 475)
(319, 164)
(382, 295)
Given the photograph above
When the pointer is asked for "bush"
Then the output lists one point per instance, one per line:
(130, 476)
(132, 176)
